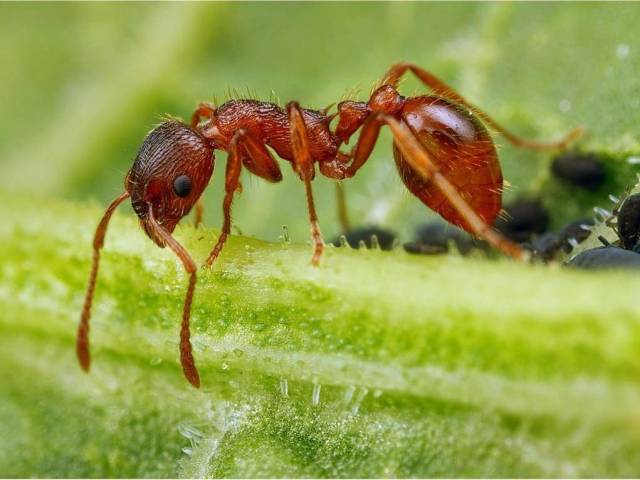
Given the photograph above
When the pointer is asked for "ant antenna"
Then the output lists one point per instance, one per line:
(82, 342)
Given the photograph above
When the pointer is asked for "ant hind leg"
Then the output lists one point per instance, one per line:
(396, 72)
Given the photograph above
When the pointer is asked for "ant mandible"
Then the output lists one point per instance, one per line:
(443, 152)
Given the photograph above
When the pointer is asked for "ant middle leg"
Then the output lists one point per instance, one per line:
(337, 170)
(303, 165)
(232, 182)
(396, 72)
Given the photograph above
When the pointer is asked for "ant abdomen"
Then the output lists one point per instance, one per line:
(462, 149)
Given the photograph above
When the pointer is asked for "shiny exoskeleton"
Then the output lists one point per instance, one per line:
(443, 152)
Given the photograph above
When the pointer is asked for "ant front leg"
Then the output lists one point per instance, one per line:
(232, 182)
(303, 165)
(440, 88)
(245, 151)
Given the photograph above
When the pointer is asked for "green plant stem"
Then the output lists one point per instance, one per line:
(374, 364)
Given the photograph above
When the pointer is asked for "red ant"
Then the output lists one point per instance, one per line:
(443, 152)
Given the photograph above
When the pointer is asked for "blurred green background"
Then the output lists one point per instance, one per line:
(81, 84)
(543, 360)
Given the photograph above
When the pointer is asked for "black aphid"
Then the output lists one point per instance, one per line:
(581, 169)
(629, 222)
(546, 246)
(435, 237)
(523, 219)
(575, 233)
(606, 257)
(364, 234)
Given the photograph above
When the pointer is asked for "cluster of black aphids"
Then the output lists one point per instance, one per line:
(526, 221)
(625, 252)
(587, 171)
(431, 238)
(437, 237)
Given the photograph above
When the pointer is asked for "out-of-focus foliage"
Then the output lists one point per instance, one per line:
(82, 84)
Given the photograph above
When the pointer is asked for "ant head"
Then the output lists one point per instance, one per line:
(172, 169)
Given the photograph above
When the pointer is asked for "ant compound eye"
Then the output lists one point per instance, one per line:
(182, 185)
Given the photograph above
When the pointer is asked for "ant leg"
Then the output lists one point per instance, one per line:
(203, 110)
(440, 88)
(347, 165)
(186, 354)
(343, 212)
(419, 160)
(303, 165)
(366, 141)
(243, 150)
(199, 212)
(337, 169)
(82, 341)
(232, 181)
(259, 161)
